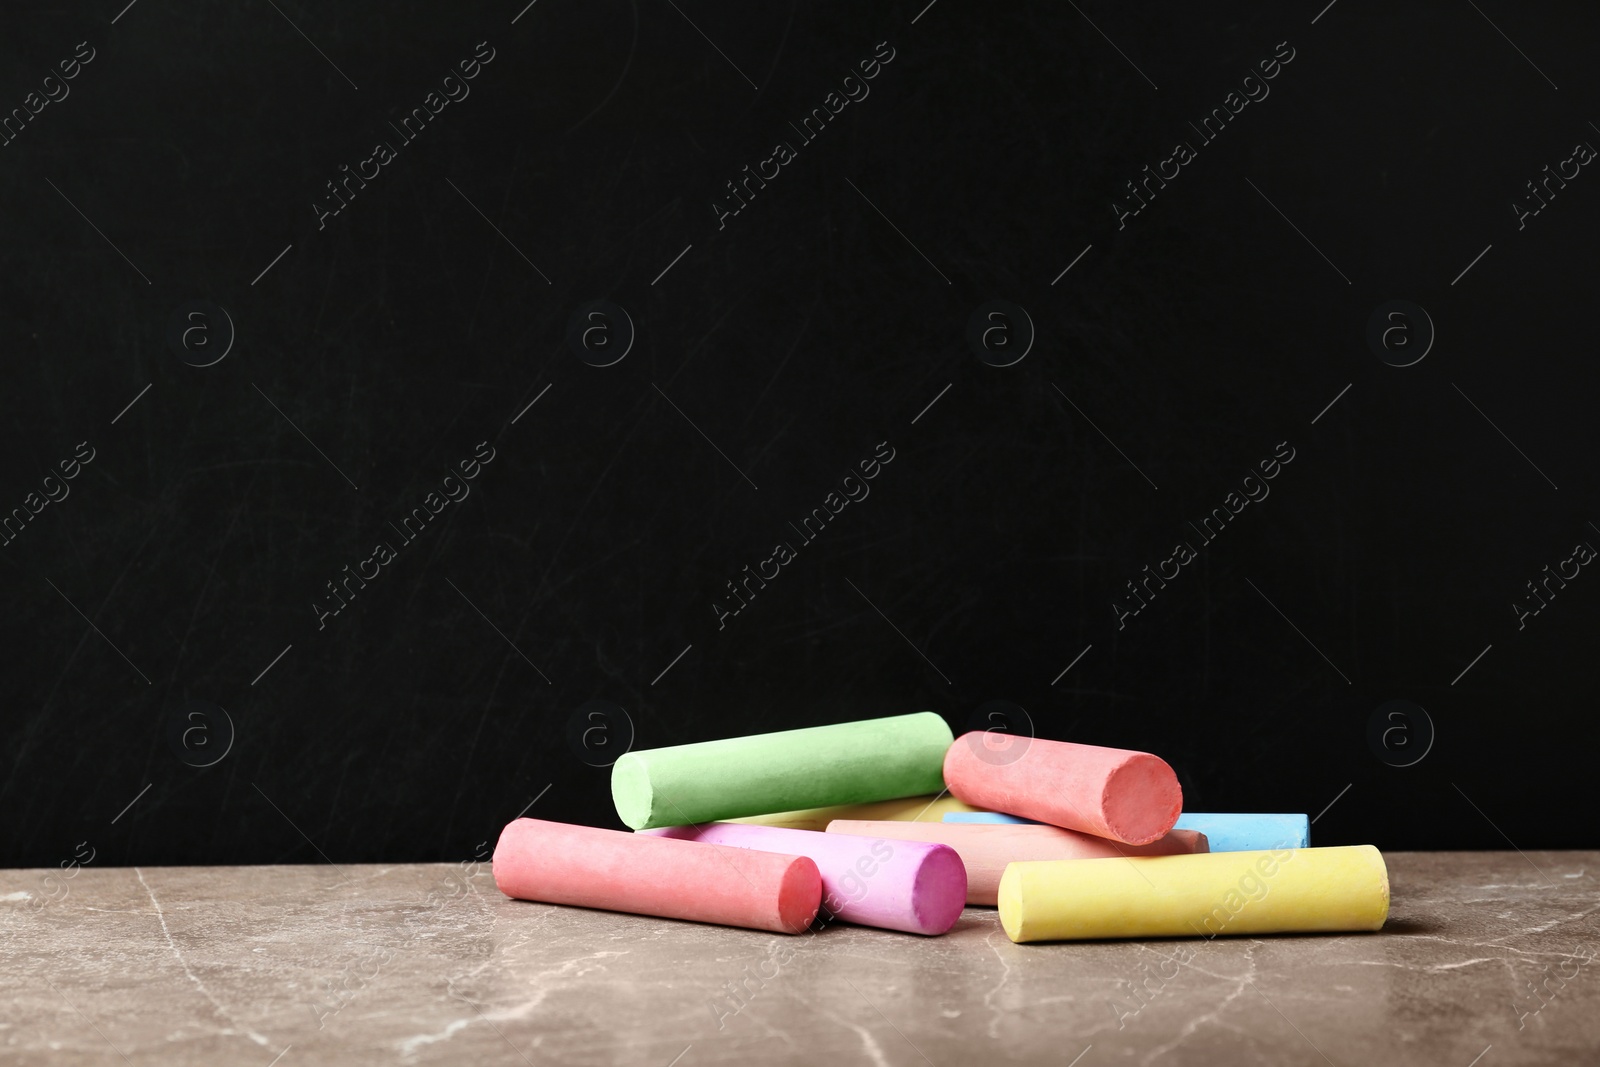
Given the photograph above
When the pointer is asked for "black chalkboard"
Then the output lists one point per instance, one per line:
(408, 407)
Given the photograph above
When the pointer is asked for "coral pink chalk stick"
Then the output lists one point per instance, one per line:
(876, 880)
(587, 867)
(1131, 797)
(986, 848)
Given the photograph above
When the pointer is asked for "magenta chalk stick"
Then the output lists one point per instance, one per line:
(587, 867)
(986, 848)
(915, 886)
(1132, 797)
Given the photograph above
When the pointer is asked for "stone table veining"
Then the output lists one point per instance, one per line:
(1484, 961)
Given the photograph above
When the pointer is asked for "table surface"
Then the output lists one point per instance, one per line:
(1485, 961)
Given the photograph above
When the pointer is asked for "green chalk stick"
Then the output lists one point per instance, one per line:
(851, 763)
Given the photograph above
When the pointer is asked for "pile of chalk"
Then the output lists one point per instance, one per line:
(784, 830)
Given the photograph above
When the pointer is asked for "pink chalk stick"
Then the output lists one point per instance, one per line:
(1131, 797)
(985, 852)
(588, 867)
(896, 884)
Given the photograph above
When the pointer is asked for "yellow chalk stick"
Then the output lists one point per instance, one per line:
(1278, 891)
(906, 809)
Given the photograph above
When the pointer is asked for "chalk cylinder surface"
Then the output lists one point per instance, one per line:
(929, 808)
(914, 886)
(985, 850)
(850, 763)
(1132, 797)
(1248, 831)
(1226, 831)
(589, 867)
(1306, 890)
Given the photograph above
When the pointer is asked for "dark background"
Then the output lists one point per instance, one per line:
(986, 559)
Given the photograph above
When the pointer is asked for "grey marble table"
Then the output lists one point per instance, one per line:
(1485, 961)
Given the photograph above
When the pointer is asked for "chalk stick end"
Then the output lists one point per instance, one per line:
(1010, 903)
(939, 892)
(1381, 870)
(1142, 799)
(631, 792)
(799, 895)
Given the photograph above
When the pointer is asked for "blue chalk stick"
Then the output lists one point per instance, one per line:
(1226, 832)
(1248, 831)
(984, 816)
